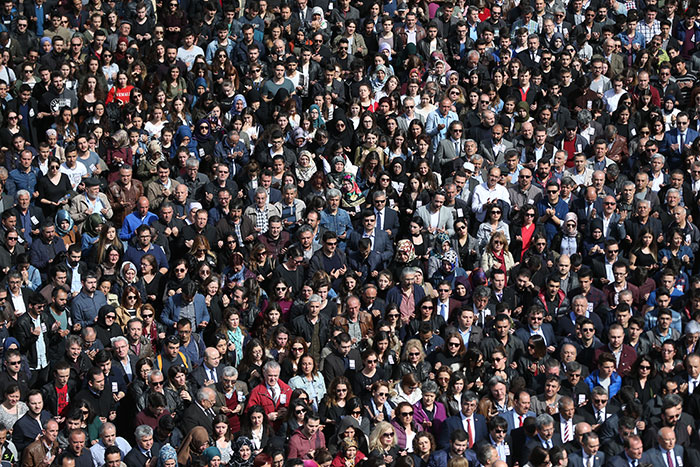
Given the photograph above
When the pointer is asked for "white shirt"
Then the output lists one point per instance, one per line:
(18, 304)
(468, 427)
(482, 194)
(76, 174)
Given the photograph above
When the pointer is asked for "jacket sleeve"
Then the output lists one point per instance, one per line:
(168, 315)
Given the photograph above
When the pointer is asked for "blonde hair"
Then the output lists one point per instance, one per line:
(413, 344)
(376, 436)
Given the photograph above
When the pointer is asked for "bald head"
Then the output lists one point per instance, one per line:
(212, 357)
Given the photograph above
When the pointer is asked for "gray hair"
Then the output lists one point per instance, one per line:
(106, 426)
(544, 419)
(203, 394)
(564, 402)
(693, 327)
(23, 193)
(261, 191)
(406, 271)
(315, 298)
(143, 431)
(114, 340)
(230, 372)
(671, 191)
(333, 193)
(289, 187)
(271, 365)
(154, 373)
(584, 117)
(644, 201)
(573, 366)
(469, 396)
(192, 162)
(429, 386)
(659, 156)
(627, 184)
(482, 292)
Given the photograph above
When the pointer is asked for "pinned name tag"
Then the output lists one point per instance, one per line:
(43, 327)
(391, 359)
(579, 148)
(581, 399)
(419, 203)
(34, 220)
(115, 387)
(460, 212)
(679, 461)
(506, 449)
(352, 364)
(241, 396)
(357, 208)
(283, 399)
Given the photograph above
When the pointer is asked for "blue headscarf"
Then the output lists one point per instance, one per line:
(182, 132)
(63, 215)
(237, 98)
(166, 453)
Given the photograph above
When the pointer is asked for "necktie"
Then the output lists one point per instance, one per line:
(692, 387)
(469, 433)
(590, 461)
(499, 296)
(148, 454)
(669, 458)
(520, 421)
(379, 220)
(275, 396)
(599, 417)
(682, 142)
(566, 432)
(212, 375)
(443, 311)
(457, 148)
(634, 463)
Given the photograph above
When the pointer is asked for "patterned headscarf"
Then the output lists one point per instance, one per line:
(236, 460)
(355, 193)
(406, 246)
(166, 453)
(451, 258)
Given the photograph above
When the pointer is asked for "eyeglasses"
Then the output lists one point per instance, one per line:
(610, 203)
(357, 412)
(392, 315)
(281, 289)
(644, 367)
(406, 414)
(453, 344)
(388, 435)
(552, 192)
(147, 315)
(297, 349)
(300, 411)
(131, 297)
(370, 361)
(382, 394)
(426, 308)
(180, 270)
(13, 238)
(157, 383)
(414, 354)
(17, 362)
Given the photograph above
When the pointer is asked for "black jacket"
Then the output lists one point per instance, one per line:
(27, 340)
(51, 397)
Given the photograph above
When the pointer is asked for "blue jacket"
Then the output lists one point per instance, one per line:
(560, 210)
(42, 252)
(455, 423)
(135, 254)
(394, 294)
(171, 310)
(442, 457)
(615, 382)
(84, 309)
(133, 221)
(339, 223)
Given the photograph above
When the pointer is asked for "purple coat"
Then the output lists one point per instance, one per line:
(420, 417)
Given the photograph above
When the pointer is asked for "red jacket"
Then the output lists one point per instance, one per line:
(260, 396)
(627, 358)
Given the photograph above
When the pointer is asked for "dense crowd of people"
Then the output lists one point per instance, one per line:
(330, 233)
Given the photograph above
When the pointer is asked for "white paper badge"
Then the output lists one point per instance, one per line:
(283, 399)
(352, 364)
(115, 387)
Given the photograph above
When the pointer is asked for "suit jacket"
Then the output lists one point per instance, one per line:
(382, 244)
(627, 358)
(275, 196)
(200, 375)
(657, 458)
(527, 60)
(576, 459)
(135, 458)
(441, 458)
(671, 137)
(446, 153)
(532, 443)
(510, 418)
(486, 150)
(195, 416)
(445, 219)
(547, 330)
(390, 221)
(455, 423)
